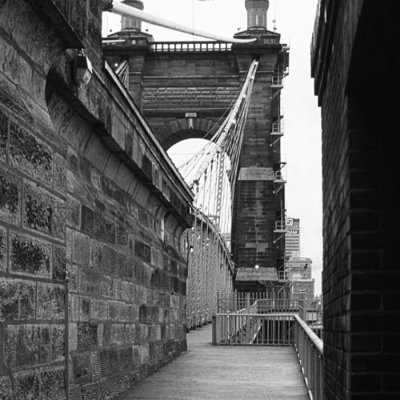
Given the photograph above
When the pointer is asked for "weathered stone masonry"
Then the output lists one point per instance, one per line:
(92, 268)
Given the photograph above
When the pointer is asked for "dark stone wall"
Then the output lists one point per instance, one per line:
(360, 185)
(257, 203)
(176, 83)
(33, 289)
(92, 266)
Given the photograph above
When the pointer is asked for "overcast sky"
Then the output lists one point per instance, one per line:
(301, 145)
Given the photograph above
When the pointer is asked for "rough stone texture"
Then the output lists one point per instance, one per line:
(3, 249)
(360, 185)
(18, 300)
(10, 200)
(82, 198)
(29, 256)
(6, 388)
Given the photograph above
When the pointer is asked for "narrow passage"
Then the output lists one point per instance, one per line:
(224, 373)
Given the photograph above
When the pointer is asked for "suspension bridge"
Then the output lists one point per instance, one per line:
(110, 255)
(263, 312)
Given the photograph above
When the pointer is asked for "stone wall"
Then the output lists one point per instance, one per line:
(33, 290)
(257, 203)
(92, 266)
(361, 210)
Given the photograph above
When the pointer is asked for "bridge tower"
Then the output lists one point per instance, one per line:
(185, 88)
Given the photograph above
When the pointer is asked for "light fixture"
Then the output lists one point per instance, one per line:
(256, 266)
(83, 69)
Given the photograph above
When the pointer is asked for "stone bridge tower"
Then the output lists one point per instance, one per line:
(185, 88)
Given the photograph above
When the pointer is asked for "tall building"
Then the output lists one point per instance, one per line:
(292, 237)
(299, 274)
(297, 269)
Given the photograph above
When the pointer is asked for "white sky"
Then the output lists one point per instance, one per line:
(301, 145)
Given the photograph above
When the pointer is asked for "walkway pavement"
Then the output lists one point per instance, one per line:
(208, 372)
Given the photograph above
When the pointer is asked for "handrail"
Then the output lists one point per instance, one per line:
(309, 349)
(273, 329)
(282, 328)
(316, 341)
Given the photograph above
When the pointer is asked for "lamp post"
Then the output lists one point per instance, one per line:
(82, 69)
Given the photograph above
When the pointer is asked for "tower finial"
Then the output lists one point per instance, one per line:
(132, 22)
(257, 13)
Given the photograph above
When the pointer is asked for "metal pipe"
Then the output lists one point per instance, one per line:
(314, 339)
(125, 10)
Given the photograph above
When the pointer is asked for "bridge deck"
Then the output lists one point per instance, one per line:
(225, 373)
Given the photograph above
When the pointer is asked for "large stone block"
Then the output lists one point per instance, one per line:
(91, 391)
(73, 213)
(59, 263)
(97, 153)
(27, 345)
(108, 260)
(10, 199)
(111, 387)
(87, 335)
(104, 229)
(59, 173)
(84, 308)
(17, 300)
(126, 359)
(11, 98)
(142, 354)
(81, 249)
(43, 212)
(82, 367)
(3, 249)
(6, 388)
(87, 220)
(43, 383)
(51, 302)
(57, 343)
(125, 266)
(109, 362)
(30, 256)
(89, 282)
(29, 154)
(99, 310)
(96, 364)
(3, 135)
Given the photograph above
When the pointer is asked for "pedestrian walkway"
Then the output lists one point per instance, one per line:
(224, 373)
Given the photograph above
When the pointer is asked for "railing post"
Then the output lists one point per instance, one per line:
(214, 329)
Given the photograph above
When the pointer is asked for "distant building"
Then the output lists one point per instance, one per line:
(298, 272)
(292, 237)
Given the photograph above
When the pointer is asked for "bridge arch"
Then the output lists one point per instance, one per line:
(176, 130)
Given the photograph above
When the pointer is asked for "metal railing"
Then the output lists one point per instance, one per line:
(253, 329)
(277, 128)
(277, 81)
(236, 301)
(309, 349)
(190, 46)
(280, 226)
(268, 306)
(275, 322)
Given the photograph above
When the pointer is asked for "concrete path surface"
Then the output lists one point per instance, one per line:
(224, 373)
